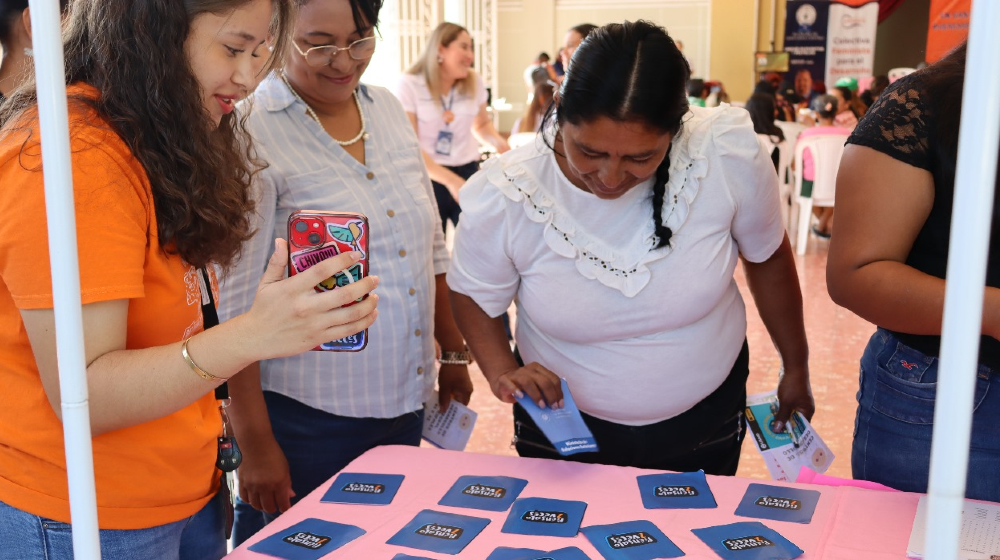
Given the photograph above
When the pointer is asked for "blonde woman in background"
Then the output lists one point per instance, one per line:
(446, 103)
(541, 98)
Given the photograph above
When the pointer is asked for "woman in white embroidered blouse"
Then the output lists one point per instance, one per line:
(633, 303)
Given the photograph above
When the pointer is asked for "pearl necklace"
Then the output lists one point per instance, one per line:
(362, 134)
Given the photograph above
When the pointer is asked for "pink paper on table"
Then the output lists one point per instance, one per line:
(809, 476)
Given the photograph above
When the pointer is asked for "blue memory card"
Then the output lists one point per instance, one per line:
(779, 503)
(363, 488)
(631, 540)
(568, 553)
(675, 491)
(507, 553)
(545, 516)
(491, 493)
(439, 532)
(308, 540)
(748, 540)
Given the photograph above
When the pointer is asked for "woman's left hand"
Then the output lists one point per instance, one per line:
(794, 393)
(453, 383)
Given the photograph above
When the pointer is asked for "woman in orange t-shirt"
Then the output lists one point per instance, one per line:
(161, 168)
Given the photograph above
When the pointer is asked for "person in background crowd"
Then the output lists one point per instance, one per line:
(803, 84)
(846, 118)
(531, 120)
(446, 102)
(538, 71)
(557, 66)
(162, 168)
(571, 42)
(15, 43)
(889, 267)
(825, 108)
(716, 94)
(696, 92)
(333, 143)
(870, 95)
(657, 390)
(763, 113)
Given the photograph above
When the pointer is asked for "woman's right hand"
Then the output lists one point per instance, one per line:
(289, 316)
(538, 383)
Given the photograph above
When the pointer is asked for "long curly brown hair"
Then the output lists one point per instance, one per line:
(132, 51)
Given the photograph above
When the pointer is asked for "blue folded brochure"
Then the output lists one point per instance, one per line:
(748, 540)
(675, 491)
(544, 516)
(363, 488)
(779, 503)
(507, 553)
(564, 427)
(437, 531)
(631, 540)
(308, 540)
(492, 493)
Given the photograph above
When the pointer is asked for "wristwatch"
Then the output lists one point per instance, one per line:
(462, 358)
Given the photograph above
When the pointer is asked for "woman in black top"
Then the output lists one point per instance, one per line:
(887, 264)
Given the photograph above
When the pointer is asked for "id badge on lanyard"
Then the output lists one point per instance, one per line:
(442, 146)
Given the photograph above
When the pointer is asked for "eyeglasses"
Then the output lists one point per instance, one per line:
(361, 49)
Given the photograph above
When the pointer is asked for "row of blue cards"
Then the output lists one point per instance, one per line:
(761, 501)
(564, 427)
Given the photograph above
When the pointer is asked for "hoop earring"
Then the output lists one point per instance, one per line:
(440, 60)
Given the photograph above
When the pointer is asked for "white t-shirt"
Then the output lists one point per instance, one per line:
(640, 334)
(416, 98)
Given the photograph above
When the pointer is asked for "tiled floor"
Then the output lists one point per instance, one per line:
(836, 340)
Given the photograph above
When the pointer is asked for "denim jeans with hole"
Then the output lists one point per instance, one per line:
(318, 445)
(895, 419)
(24, 536)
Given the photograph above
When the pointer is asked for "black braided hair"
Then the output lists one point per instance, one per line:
(663, 233)
(628, 72)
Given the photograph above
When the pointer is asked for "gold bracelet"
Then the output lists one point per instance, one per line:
(194, 367)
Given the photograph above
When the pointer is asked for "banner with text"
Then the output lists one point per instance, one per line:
(831, 39)
(948, 27)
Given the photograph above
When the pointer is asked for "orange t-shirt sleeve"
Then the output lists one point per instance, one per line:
(113, 219)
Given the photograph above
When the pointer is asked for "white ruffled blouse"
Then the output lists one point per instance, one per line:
(598, 304)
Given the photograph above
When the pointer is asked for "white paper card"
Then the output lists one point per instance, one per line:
(450, 429)
(980, 536)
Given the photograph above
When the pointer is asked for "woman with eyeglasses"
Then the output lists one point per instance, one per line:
(445, 100)
(333, 143)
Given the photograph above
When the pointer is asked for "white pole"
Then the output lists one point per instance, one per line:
(51, 83)
(975, 180)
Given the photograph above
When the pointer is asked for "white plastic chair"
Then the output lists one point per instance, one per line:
(826, 152)
(784, 190)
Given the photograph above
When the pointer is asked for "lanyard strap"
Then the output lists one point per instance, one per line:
(447, 106)
(210, 316)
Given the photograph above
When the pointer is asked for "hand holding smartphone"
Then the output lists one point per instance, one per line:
(314, 236)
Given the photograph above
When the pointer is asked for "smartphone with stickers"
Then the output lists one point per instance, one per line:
(315, 235)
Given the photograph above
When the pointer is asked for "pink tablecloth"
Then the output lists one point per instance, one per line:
(849, 523)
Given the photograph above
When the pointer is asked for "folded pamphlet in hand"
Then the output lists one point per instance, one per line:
(787, 451)
(564, 427)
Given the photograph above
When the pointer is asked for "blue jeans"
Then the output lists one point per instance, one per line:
(24, 536)
(895, 419)
(318, 445)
